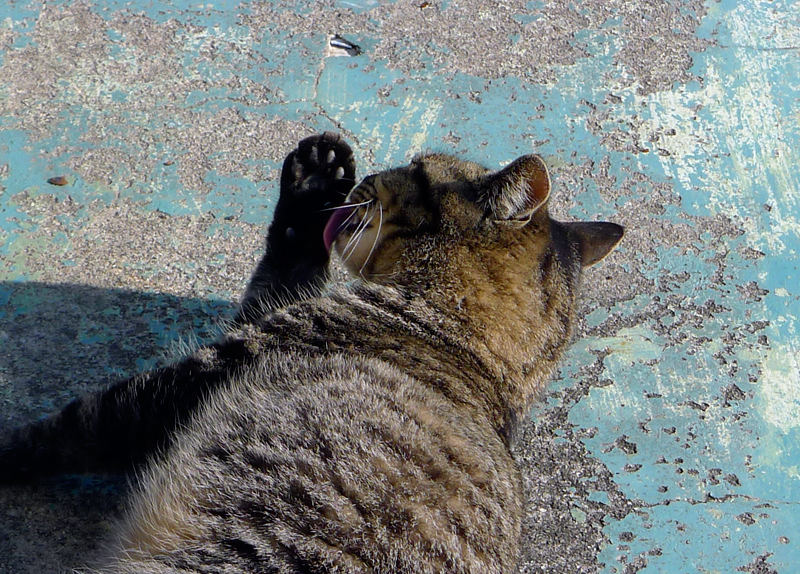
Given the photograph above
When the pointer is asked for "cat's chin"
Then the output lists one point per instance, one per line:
(336, 223)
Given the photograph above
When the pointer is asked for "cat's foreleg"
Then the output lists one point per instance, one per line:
(315, 180)
(118, 429)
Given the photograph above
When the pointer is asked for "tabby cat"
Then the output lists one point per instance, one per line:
(366, 428)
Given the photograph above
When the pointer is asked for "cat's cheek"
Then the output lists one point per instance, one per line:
(357, 253)
(361, 248)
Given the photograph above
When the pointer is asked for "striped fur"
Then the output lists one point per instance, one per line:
(366, 428)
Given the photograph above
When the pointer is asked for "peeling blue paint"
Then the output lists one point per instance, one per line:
(695, 407)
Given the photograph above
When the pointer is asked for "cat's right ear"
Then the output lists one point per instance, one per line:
(513, 194)
(595, 239)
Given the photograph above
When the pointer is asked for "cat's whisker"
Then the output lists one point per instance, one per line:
(356, 237)
(350, 218)
(359, 233)
(374, 241)
(353, 241)
(344, 206)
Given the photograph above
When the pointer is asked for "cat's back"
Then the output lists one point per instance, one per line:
(328, 463)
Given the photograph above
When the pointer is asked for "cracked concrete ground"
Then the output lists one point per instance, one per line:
(669, 441)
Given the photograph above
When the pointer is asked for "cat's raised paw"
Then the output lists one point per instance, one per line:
(317, 176)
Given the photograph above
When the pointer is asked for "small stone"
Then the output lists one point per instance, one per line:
(58, 180)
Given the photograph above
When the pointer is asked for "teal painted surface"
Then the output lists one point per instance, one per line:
(172, 120)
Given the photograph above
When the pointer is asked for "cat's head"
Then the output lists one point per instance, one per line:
(440, 218)
(481, 249)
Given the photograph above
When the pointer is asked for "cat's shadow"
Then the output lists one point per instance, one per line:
(61, 340)
(58, 341)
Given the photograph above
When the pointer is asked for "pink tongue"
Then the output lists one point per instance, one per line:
(335, 224)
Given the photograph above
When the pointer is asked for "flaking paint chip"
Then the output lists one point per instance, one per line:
(338, 46)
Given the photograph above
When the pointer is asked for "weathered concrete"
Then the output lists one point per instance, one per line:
(669, 443)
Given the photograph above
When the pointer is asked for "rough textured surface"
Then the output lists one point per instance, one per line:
(669, 443)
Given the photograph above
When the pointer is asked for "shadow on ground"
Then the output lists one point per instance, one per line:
(58, 341)
(61, 340)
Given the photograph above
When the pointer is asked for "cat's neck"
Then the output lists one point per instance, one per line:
(466, 359)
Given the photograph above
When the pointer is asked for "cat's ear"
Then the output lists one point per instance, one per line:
(513, 194)
(595, 239)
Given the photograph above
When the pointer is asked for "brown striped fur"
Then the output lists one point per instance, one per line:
(362, 429)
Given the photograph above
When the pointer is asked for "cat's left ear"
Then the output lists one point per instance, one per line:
(513, 194)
